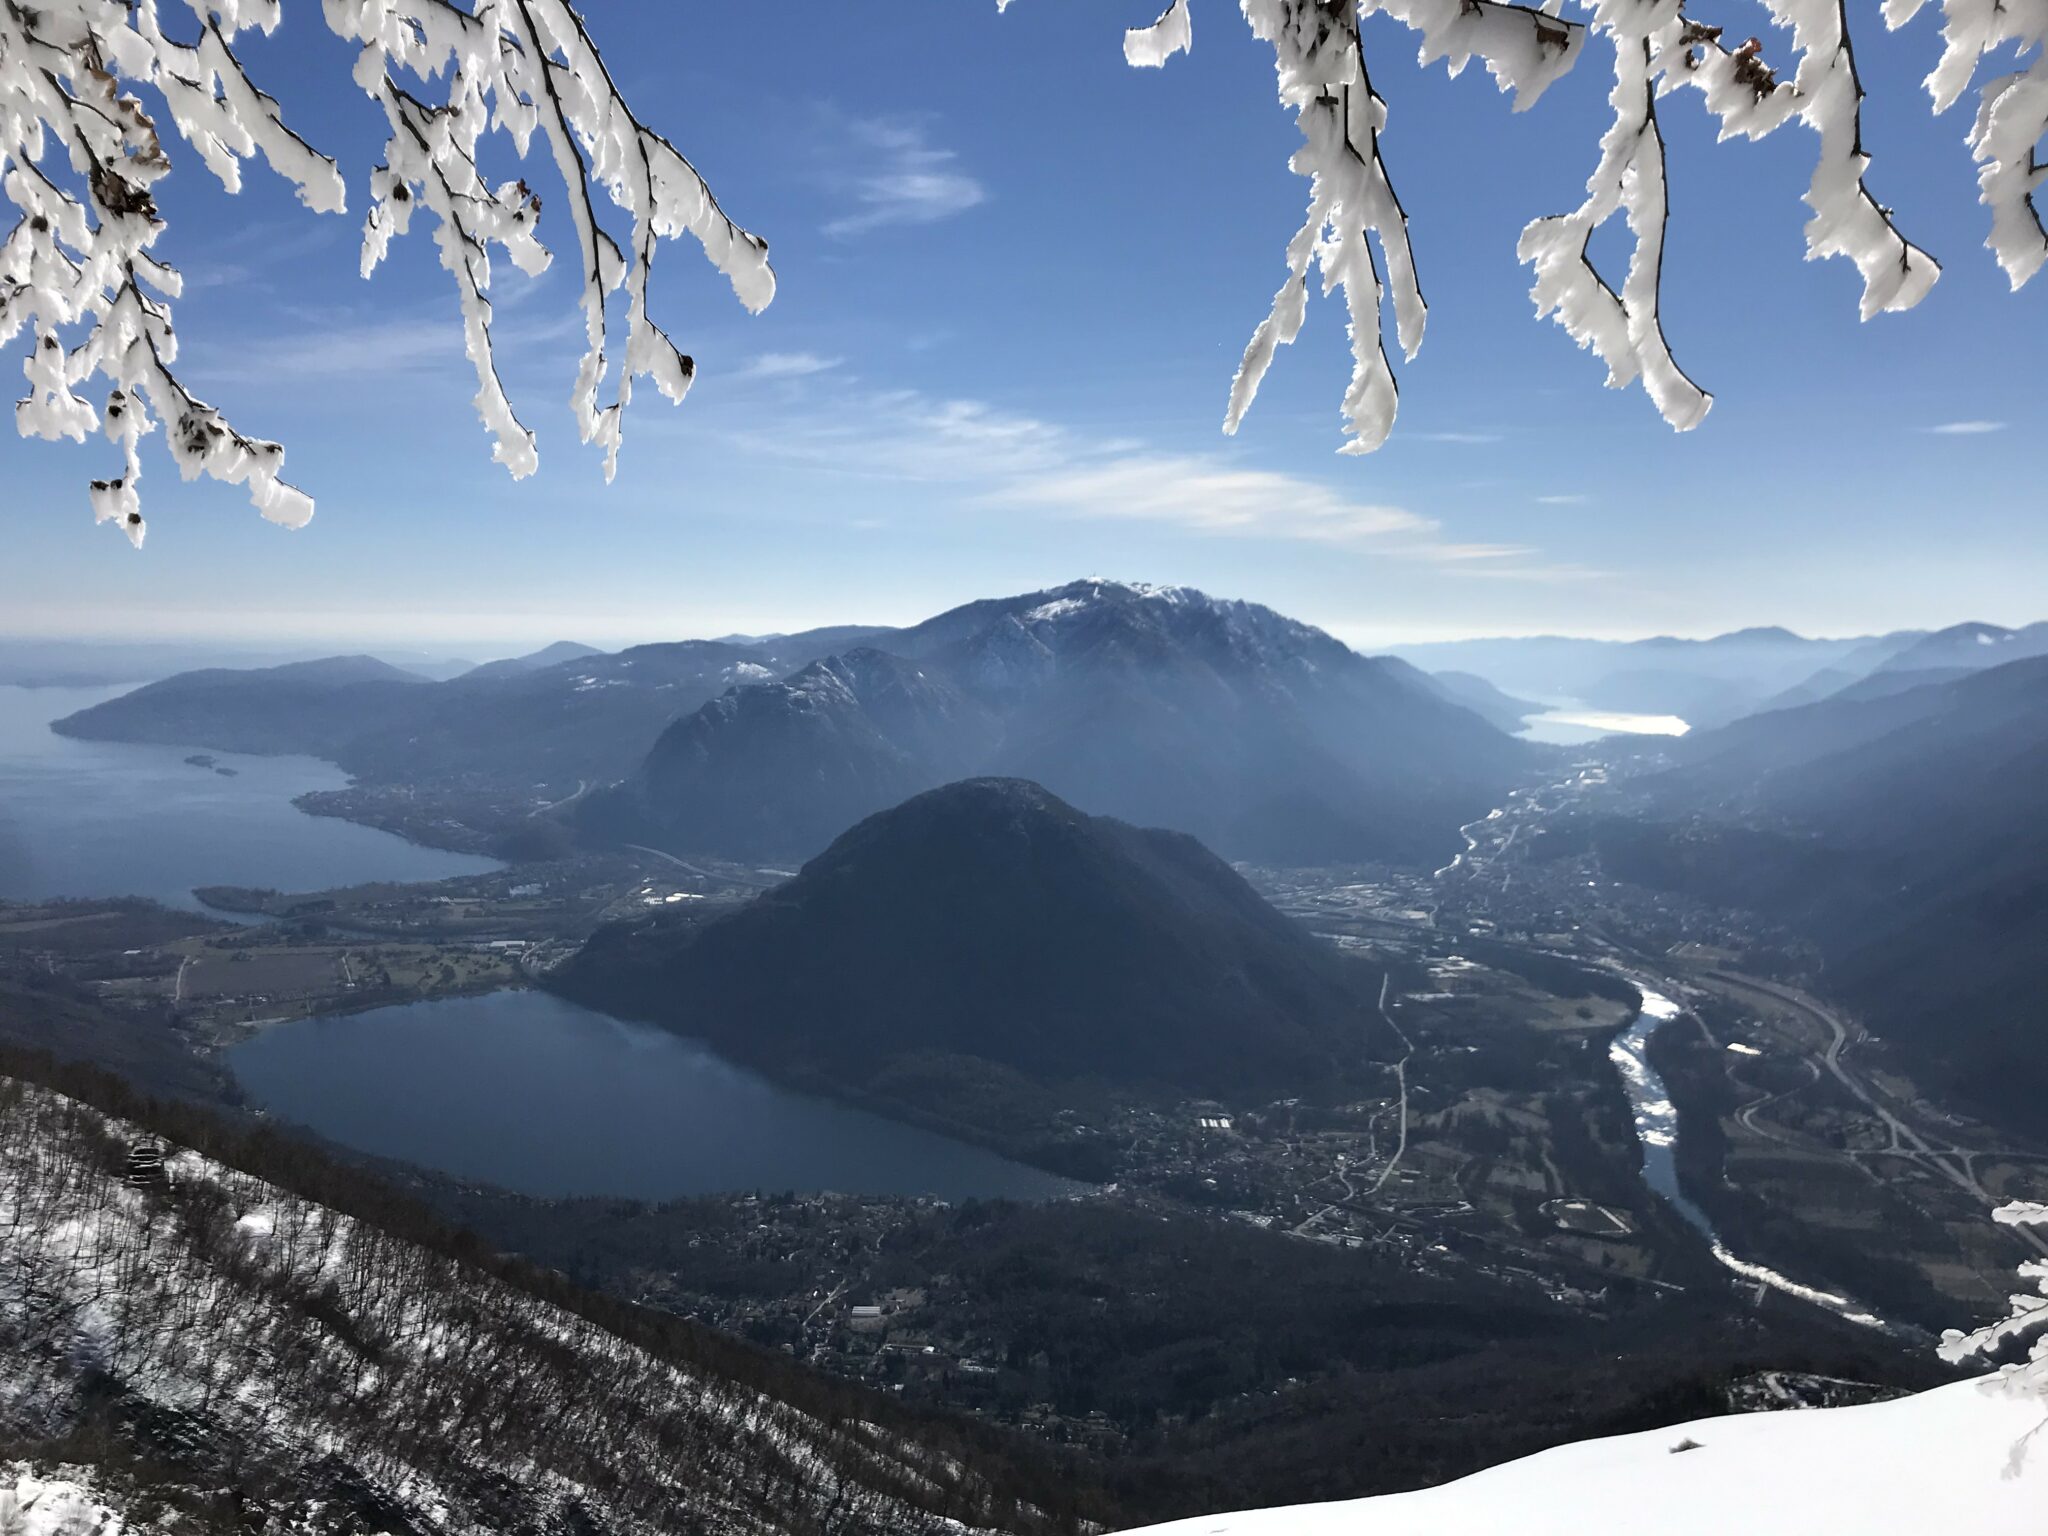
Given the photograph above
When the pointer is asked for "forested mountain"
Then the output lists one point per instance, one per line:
(776, 770)
(315, 707)
(1266, 738)
(1501, 710)
(227, 1355)
(534, 661)
(1970, 647)
(947, 955)
(587, 717)
(1906, 833)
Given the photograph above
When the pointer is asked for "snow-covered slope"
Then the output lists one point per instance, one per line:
(57, 1504)
(1931, 1465)
(189, 1328)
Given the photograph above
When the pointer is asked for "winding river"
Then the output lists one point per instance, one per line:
(1656, 1120)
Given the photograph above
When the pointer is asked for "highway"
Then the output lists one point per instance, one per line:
(688, 869)
(1305, 1228)
(1952, 1163)
(1400, 1077)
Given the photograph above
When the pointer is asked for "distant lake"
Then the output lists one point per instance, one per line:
(1568, 727)
(538, 1095)
(98, 818)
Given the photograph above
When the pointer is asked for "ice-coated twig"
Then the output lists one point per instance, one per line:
(79, 157)
(2026, 1321)
(1624, 328)
(1826, 94)
(78, 161)
(1321, 70)
(2012, 114)
(1658, 48)
(1150, 47)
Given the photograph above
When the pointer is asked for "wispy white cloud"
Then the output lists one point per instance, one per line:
(893, 174)
(1570, 499)
(337, 348)
(347, 344)
(787, 365)
(1208, 496)
(1010, 461)
(1453, 437)
(1967, 428)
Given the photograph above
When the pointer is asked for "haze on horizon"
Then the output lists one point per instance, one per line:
(980, 377)
(266, 636)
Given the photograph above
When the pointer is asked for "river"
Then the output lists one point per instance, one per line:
(99, 818)
(1656, 1120)
(533, 1093)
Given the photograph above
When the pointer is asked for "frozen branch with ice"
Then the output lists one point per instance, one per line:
(1658, 48)
(79, 157)
(2026, 1322)
(1322, 76)
(2012, 114)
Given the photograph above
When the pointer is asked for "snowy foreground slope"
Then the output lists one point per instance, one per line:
(220, 1354)
(1930, 1465)
(52, 1505)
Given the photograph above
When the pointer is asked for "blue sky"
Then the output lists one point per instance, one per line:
(1015, 278)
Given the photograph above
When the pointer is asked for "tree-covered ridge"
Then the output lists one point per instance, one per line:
(206, 1329)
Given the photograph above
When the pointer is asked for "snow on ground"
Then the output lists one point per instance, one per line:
(51, 1506)
(1931, 1465)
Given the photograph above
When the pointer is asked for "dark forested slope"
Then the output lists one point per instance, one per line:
(1265, 737)
(988, 929)
(1908, 834)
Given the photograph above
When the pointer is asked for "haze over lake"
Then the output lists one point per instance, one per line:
(531, 1092)
(97, 818)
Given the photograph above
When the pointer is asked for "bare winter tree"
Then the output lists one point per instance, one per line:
(80, 155)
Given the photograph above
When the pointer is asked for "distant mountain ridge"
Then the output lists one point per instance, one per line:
(1711, 682)
(549, 721)
(1705, 682)
(534, 661)
(1906, 832)
(1265, 737)
(953, 956)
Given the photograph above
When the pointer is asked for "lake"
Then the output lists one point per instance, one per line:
(536, 1094)
(97, 818)
(1571, 726)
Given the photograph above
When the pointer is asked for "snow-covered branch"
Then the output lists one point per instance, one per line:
(1322, 76)
(1658, 47)
(2012, 114)
(2027, 1321)
(79, 157)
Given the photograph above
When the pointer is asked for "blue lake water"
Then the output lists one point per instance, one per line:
(518, 1089)
(1574, 725)
(95, 818)
(535, 1094)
